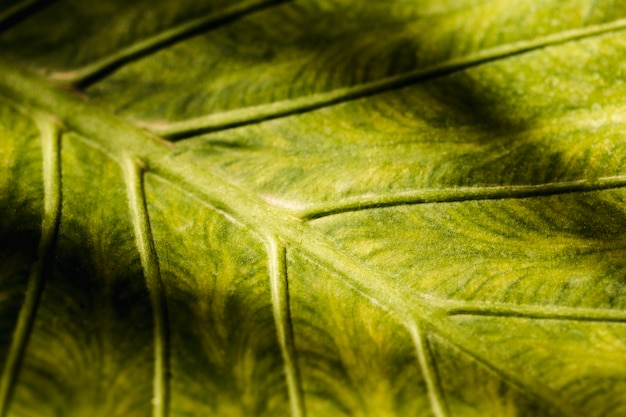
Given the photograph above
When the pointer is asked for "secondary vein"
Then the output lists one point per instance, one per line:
(458, 194)
(50, 133)
(147, 251)
(429, 371)
(282, 318)
(90, 73)
(549, 312)
(255, 114)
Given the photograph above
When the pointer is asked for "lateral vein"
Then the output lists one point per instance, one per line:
(548, 312)
(50, 132)
(133, 172)
(459, 194)
(256, 114)
(282, 318)
(91, 73)
(429, 371)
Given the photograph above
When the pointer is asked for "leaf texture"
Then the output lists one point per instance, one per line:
(312, 208)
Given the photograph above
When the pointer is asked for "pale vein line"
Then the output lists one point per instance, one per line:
(51, 148)
(429, 370)
(282, 318)
(448, 195)
(94, 71)
(255, 114)
(19, 11)
(549, 312)
(133, 172)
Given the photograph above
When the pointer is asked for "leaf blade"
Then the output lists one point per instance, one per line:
(502, 193)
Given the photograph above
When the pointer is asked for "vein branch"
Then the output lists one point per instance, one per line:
(458, 194)
(284, 329)
(134, 176)
(255, 114)
(548, 312)
(51, 134)
(429, 371)
(91, 73)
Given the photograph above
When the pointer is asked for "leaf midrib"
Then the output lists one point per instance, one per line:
(122, 141)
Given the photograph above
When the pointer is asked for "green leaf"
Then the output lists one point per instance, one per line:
(312, 208)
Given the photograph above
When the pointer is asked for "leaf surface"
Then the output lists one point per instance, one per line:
(312, 208)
